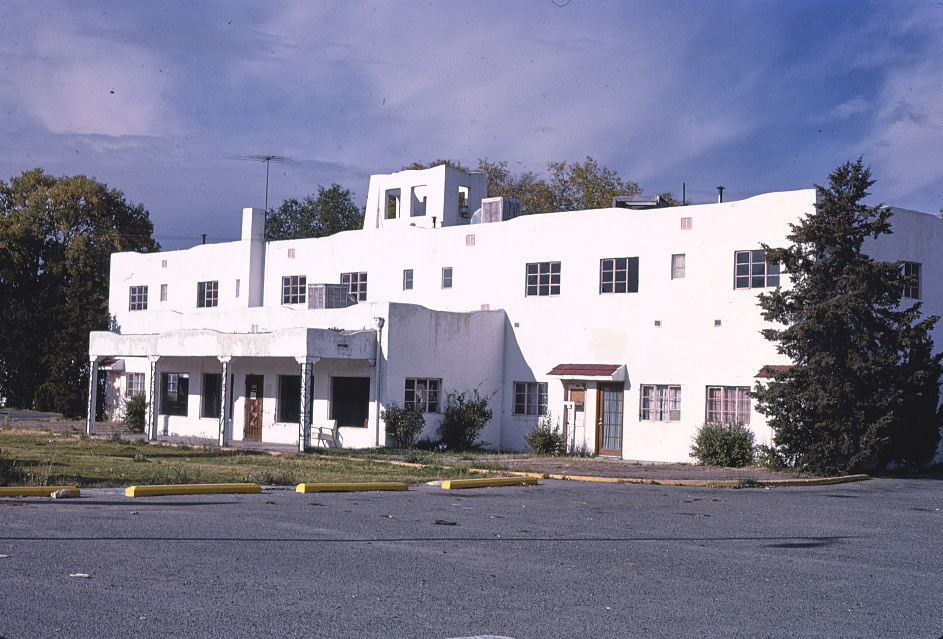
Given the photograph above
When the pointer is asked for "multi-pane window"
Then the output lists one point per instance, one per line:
(135, 385)
(207, 294)
(677, 266)
(211, 396)
(618, 275)
(423, 393)
(728, 404)
(137, 298)
(543, 278)
(357, 285)
(294, 289)
(408, 279)
(530, 398)
(174, 390)
(912, 286)
(752, 271)
(288, 408)
(660, 403)
(447, 277)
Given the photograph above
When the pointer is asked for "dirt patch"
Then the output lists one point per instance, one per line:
(620, 469)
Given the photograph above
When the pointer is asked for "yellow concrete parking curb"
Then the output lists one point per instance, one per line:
(36, 491)
(451, 484)
(191, 489)
(742, 482)
(342, 487)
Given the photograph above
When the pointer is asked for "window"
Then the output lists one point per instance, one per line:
(211, 395)
(618, 275)
(291, 253)
(207, 294)
(728, 404)
(294, 288)
(138, 298)
(174, 389)
(543, 278)
(408, 279)
(288, 407)
(447, 277)
(356, 284)
(163, 292)
(530, 398)
(350, 401)
(752, 271)
(135, 385)
(660, 403)
(677, 266)
(686, 224)
(912, 286)
(470, 239)
(423, 393)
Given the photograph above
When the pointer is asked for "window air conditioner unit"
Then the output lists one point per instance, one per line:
(329, 296)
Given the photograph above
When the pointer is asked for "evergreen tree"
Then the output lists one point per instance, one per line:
(863, 388)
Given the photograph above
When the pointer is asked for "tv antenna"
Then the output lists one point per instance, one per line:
(268, 159)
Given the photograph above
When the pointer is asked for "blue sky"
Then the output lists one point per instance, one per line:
(154, 98)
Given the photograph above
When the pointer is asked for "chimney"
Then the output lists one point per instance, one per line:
(720, 194)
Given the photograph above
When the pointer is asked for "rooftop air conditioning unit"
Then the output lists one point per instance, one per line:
(499, 209)
(330, 296)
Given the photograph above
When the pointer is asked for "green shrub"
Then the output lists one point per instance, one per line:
(403, 424)
(44, 399)
(769, 457)
(135, 413)
(465, 417)
(10, 472)
(545, 438)
(728, 445)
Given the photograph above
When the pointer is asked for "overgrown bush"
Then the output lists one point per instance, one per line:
(465, 417)
(135, 413)
(44, 399)
(769, 457)
(728, 445)
(403, 424)
(545, 438)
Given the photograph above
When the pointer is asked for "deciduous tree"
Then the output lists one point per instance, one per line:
(332, 211)
(862, 389)
(56, 239)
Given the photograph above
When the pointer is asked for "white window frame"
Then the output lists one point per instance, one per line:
(542, 279)
(912, 291)
(423, 391)
(207, 294)
(727, 405)
(134, 385)
(751, 270)
(137, 298)
(678, 266)
(408, 279)
(446, 277)
(530, 398)
(660, 403)
(356, 283)
(294, 289)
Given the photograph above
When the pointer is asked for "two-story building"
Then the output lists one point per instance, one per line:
(631, 326)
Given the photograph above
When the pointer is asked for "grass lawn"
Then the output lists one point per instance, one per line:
(30, 458)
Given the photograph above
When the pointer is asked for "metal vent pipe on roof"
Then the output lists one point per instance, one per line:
(720, 194)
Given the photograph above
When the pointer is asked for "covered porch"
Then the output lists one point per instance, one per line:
(304, 386)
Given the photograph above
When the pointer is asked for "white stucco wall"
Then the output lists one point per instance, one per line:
(693, 332)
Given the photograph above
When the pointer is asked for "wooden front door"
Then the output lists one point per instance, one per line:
(252, 430)
(609, 419)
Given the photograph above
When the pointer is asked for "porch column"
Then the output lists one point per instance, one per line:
(304, 416)
(224, 393)
(152, 386)
(92, 394)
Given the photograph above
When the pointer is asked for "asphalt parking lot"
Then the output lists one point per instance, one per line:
(562, 559)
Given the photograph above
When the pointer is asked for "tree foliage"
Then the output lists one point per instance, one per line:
(568, 186)
(863, 386)
(57, 235)
(332, 211)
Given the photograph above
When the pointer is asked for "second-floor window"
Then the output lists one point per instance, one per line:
(752, 271)
(408, 279)
(912, 273)
(447, 277)
(294, 289)
(618, 275)
(356, 284)
(137, 298)
(207, 294)
(543, 278)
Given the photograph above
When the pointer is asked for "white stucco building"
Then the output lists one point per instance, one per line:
(632, 326)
